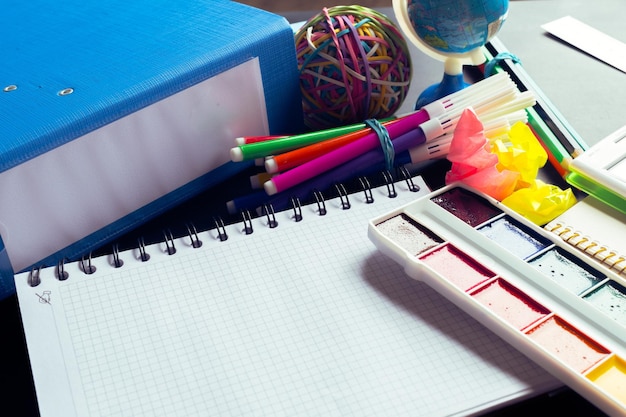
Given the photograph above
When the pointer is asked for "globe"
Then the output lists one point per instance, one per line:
(453, 26)
(452, 31)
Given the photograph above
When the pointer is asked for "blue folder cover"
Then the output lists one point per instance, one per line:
(70, 68)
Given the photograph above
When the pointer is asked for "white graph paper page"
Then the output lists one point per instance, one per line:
(305, 319)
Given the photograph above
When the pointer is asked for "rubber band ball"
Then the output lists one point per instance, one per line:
(354, 65)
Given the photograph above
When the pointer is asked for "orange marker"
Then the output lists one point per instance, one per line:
(290, 159)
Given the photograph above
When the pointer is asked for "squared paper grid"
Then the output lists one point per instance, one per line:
(305, 319)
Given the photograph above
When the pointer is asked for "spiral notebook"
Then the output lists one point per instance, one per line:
(596, 229)
(289, 313)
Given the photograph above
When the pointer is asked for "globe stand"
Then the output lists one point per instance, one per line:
(451, 82)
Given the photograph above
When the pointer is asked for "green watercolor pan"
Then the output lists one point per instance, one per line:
(565, 311)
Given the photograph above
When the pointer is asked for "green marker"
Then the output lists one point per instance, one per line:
(276, 146)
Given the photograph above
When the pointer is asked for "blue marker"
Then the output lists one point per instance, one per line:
(369, 163)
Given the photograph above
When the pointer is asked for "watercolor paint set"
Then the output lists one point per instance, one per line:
(565, 311)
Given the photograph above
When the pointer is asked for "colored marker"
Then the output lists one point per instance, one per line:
(291, 159)
(374, 161)
(263, 148)
(487, 89)
(369, 163)
(257, 180)
(495, 104)
(253, 139)
(366, 164)
(250, 201)
(557, 154)
(342, 155)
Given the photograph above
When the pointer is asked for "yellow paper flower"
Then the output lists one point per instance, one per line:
(520, 151)
(540, 203)
(506, 167)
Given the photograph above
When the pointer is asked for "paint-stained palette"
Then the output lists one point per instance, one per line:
(565, 311)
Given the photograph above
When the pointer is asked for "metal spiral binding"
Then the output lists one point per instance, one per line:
(343, 196)
(572, 237)
(193, 236)
(60, 272)
(321, 204)
(34, 277)
(367, 189)
(220, 228)
(86, 265)
(117, 261)
(168, 239)
(297, 209)
(144, 256)
(268, 210)
(406, 175)
(391, 188)
(247, 222)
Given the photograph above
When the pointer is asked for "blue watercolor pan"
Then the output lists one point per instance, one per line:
(567, 270)
(609, 298)
(514, 237)
(563, 309)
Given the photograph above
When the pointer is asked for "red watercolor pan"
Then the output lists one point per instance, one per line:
(568, 343)
(510, 304)
(457, 267)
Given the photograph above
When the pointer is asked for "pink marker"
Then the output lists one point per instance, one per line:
(342, 155)
(433, 119)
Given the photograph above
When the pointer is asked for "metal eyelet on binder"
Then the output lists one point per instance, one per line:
(170, 247)
(117, 261)
(268, 210)
(221, 229)
(367, 189)
(297, 209)
(60, 272)
(321, 205)
(247, 222)
(343, 196)
(86, 266)
(193, 235)
(391, 189)
(144, 256)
